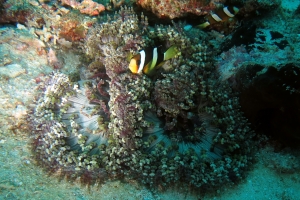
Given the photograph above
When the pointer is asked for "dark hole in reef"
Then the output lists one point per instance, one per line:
(244, 35)
(271, 102)
(276, 35)
(232, 176)
(282, 44)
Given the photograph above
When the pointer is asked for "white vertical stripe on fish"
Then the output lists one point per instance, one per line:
(155, 56)
(216, 17)
(227, 12)
(143, 57)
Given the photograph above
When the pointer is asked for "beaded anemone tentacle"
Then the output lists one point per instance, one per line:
(71, 132)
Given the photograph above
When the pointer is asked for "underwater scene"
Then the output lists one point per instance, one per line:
(149, 99)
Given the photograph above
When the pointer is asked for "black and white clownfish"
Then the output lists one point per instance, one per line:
(220, 15)
(148, 60)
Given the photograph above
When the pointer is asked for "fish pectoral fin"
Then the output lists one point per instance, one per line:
(148, 69)
(129, 56)
(160, 64)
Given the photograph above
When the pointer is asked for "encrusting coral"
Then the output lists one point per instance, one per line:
(176, 9)
(180, 125)
(86, 6)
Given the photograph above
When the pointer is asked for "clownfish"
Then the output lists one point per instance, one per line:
(220, 15)
(148, 60)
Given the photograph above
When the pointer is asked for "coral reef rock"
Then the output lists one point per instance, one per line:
(174, 9)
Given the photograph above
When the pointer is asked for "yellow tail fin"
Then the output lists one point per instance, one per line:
(171, 53)
(203, 25)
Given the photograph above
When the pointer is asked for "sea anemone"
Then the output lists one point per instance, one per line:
(179, 126)
(197, 137)
(70, 130)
